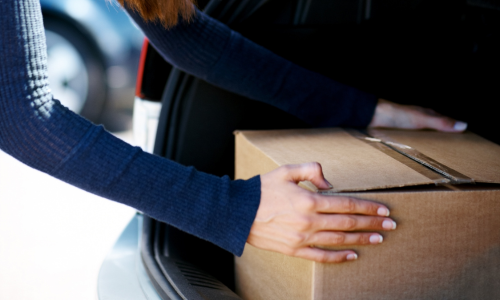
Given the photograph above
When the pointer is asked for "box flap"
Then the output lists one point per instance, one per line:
(353, 163)
(467, 153)
(349, 163)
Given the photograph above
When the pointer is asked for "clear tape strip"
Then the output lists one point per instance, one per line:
(432, 169)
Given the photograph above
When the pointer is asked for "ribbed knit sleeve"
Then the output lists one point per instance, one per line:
(40, 132)
(211, 51)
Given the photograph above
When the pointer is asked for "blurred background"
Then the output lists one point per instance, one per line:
(93, 51)
(54, 237)
(52, 244)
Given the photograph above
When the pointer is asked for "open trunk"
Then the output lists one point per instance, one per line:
(434, 54)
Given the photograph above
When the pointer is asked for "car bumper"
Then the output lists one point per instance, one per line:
(122, 275)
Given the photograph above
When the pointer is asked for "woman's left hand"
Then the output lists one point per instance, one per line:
(392, 115)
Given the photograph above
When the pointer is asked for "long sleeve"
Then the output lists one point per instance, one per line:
(37, 130)
(211, 51)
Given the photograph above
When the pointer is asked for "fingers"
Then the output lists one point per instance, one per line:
(430, 112)
(347, 205)
(444, 124)
(308, 171)
(393, 115)
(333, 239)
(325, 256)
(428, 118)
(341, 222)
(290, 220)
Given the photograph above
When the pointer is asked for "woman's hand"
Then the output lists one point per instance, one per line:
(392, 115)
(292, 220)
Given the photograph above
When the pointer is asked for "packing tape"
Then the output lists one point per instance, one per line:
(419, 162)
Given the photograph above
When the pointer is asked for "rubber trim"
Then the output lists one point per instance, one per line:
(152, 253)
(161, 284)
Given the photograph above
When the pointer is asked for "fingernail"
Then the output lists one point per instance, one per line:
(376, 239)
(460, 126)
(329, 184)
(382, 211)
(389, 224)
(352, 256)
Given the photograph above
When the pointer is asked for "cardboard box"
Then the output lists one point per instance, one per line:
(442, 190)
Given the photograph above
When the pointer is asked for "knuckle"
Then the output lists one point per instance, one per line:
(315, 169)
(364, 239)
(337, 259)
(323, 257)
(420, 123)
(375, 223)
(348, 205)
(449, 122)
(297, 240)
(303, 224)
(309, 203)
(348, 223)
(315, 166)
(372, 209)
(320, 203)
(338, 239)
(441, 122)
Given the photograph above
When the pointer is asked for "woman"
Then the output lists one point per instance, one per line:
(267, 211)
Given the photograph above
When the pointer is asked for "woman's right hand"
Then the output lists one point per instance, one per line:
(292, 220)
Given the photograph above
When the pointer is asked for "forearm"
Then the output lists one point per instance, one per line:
(209, 50)
(216, 209)
(40, 132)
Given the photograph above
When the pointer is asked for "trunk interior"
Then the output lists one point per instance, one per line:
(438, 54)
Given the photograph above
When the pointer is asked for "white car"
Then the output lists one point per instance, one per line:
(93, 51)
(430, 53)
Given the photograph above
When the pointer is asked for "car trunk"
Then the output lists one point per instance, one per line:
(428, 53)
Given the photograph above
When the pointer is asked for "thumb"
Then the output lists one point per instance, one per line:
(445, 124)
(308, 171)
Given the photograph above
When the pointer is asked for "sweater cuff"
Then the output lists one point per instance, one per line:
(242, 219)
(364, 109)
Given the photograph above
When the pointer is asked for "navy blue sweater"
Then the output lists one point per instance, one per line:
(40, 132)
(211, 51)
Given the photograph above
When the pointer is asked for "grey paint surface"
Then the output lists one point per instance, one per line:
(108, 25)
(122, 275)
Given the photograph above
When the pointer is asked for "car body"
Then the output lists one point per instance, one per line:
(93, 51)
(437, 54)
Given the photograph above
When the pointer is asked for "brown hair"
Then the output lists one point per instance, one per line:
(165, 11)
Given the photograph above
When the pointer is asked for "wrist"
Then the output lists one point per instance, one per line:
(383, 115)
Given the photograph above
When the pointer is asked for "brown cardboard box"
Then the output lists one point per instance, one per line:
(447, 244)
